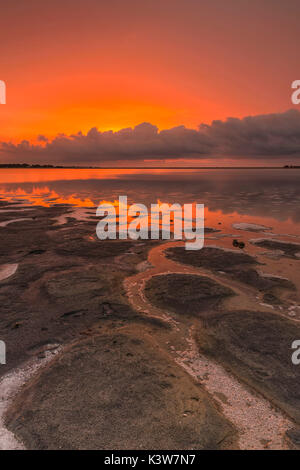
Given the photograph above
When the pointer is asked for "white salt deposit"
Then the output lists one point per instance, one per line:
(251, 227)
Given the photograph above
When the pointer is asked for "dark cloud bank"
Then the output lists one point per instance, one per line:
(268, 136)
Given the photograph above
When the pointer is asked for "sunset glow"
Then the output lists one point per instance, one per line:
(115, 65)
(150, 227)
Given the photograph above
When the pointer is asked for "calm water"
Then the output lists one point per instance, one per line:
(270, 197)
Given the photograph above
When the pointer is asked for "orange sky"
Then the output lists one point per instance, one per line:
(73, 65)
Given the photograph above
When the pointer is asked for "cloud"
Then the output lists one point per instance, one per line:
(263, 136)
(266, 135)
(42, 138)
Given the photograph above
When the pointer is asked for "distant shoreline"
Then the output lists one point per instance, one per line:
(58, 167)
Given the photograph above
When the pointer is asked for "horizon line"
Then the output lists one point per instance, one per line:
(81, 167)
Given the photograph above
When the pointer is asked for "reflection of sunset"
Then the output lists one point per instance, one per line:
(219, 219)
(45, 197)
(40, 175)
(65, 174)
(228, 196)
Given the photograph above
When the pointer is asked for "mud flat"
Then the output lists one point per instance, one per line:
(239, 266)
(12, 211)
(256, 347)
(69, 286)
(81, 214)
(253, 345)
(10, 386)
(186, 294)
(117, 390)
(12, 221)
(289, 249)
(213, 258)
(259, 425)
(120, 381)
(250, 227)
(66, 281)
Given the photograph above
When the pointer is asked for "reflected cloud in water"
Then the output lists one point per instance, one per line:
(270, 194)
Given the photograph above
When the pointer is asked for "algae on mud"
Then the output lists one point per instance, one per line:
(186, 294)
(117, 390)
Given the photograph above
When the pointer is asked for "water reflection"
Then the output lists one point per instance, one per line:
(265, 194)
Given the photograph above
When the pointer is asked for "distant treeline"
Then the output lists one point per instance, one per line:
(26, 165)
